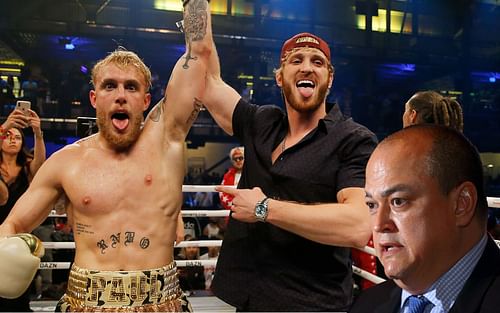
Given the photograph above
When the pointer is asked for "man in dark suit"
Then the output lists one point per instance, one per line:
(424, 190)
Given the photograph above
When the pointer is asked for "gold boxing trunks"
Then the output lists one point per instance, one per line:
(153, 290)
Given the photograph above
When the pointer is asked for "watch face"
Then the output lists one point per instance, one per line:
(260, 210)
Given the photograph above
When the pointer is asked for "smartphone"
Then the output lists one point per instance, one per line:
(24, 106)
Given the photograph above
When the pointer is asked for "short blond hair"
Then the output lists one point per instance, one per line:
(123, 58)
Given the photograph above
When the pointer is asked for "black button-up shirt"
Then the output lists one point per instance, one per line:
(263, 267)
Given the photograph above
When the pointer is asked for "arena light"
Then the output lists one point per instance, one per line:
(485, 77)
(67, 43)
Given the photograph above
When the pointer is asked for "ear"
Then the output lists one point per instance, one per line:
(92, 97)
(330, 81)
(279, 78)
(147, 101)
(465, 203)
(413, 117)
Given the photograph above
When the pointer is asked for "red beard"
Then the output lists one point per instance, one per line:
(309, 105)
(119, 141)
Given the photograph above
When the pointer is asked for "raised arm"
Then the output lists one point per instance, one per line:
(219, 98)
(39, 154)
(182, 103)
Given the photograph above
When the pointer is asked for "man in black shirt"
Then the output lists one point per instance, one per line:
(300, 202)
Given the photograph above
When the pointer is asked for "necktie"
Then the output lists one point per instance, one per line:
(416, 304)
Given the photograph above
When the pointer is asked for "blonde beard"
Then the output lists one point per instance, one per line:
(299, 105)
(119, 142)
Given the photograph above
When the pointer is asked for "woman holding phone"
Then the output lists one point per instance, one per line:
(17, 168)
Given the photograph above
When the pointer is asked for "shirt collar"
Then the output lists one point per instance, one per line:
(444, 291)
(333, 116)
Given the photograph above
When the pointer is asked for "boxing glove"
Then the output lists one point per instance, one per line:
(19, 260)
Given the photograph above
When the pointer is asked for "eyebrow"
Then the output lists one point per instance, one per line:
(106, 81)
(389, 191)
(114, 81)
(300, 53)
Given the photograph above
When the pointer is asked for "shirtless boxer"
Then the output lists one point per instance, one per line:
(123, 184)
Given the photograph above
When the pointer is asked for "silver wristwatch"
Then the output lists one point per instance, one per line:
(261, 210)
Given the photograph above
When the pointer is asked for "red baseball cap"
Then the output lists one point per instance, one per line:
(305, 40)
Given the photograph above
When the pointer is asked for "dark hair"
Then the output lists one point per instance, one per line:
(24, 156)
(433, 108)
(452, 159)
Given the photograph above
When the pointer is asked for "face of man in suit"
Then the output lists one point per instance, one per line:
(415, 227)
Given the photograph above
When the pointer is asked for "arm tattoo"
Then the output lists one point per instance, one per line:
(195, 25)
(197, 106)
(157, 111)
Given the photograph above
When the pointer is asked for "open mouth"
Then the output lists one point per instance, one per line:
(120, 120)
(390, 247)
(306, 87)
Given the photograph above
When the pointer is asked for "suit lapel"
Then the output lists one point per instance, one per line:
(393, 301)
(478, 283)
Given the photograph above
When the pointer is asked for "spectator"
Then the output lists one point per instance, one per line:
(233, 174)
(212, 254)
(429, 107)
(212, 229)
(17, 169)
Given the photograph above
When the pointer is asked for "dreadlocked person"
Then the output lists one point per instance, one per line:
(429, 107)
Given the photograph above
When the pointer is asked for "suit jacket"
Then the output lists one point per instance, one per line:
(480, 294)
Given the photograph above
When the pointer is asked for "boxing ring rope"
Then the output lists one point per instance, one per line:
(492, 202)
(367, 275)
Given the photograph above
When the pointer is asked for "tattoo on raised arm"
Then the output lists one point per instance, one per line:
(197, 107)
(195, 25)
(157, 110)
